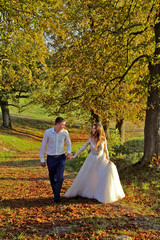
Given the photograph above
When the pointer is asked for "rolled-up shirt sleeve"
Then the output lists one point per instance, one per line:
(68, 143)
(43, 147)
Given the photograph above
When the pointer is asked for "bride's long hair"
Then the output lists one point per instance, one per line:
(98, 134)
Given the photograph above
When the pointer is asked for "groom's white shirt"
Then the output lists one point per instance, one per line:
(55, 142)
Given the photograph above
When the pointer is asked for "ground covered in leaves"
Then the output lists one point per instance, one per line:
(27, 209)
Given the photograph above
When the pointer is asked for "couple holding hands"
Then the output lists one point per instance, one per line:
(98, 177)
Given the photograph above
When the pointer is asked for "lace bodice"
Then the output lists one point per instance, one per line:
(102, 147)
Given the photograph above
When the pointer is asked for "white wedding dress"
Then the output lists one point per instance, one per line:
(98, 178)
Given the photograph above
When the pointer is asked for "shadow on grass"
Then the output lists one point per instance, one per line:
(31, 122)
(130, 147)
(41, 201)
(139, 174)
(41, 124)
(23, 179)
(20, 163)
(20, 133)
(27, 134)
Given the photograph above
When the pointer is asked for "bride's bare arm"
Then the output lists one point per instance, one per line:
(81, 149)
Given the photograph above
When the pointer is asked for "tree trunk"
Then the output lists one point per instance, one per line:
(120, 125)
(152, 121)
(106, 128)
(95, 118)
(5, 114)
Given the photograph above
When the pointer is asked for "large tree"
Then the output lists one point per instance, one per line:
(107, 62)
(152, 121)
(89, 64)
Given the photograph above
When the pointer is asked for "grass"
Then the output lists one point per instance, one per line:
(32, 111)
(16, 143)
(26, 203)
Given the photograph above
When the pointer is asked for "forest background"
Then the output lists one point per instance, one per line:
(88, 61)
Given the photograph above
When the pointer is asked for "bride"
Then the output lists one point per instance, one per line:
(98, 177)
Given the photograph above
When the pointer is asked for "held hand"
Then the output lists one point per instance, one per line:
(72, 157)
(68, 156)
(43, 164)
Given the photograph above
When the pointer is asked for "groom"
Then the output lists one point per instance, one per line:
(55, 138)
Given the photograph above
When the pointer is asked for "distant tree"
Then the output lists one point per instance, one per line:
(22, 69)
(23, 49)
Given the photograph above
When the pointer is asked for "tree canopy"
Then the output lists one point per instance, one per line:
(99, 56)
(102, 62)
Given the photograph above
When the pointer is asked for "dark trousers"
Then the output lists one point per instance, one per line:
(56, 166)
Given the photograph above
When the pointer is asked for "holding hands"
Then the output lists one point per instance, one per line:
(69, 157)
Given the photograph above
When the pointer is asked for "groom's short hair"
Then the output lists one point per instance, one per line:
(59, 120)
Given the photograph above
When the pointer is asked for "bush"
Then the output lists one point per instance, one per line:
(130, 147)
(113, 142)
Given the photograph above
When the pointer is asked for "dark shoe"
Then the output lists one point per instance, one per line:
(57, 200)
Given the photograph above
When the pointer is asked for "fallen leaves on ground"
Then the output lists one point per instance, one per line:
(29, 212)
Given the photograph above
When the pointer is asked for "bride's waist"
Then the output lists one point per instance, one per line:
(97, 154)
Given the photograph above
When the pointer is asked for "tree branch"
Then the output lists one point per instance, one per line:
(71, 99)
(23, 106)
(125, 73)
